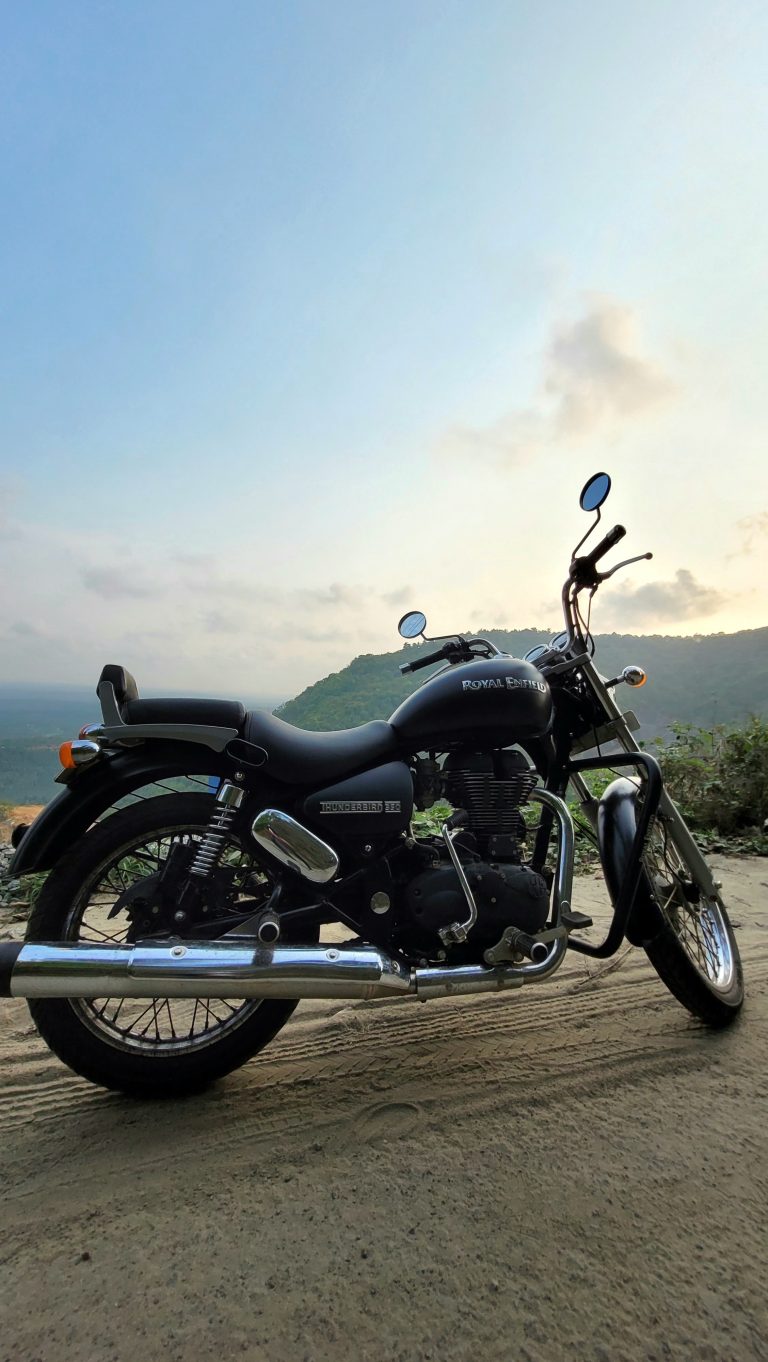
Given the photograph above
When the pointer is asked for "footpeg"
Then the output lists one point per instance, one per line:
(573, 921)
(268, 929)
(514, 944)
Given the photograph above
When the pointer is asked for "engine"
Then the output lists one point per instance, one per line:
(489, 787)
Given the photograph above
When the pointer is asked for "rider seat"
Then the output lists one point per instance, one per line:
(301, 758)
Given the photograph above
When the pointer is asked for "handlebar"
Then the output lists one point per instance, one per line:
(607, 542)
(427, 661)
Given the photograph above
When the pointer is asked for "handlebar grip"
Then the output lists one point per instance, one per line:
(422, 662)
(613, 536)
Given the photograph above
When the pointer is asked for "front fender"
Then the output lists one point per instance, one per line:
(616, 828)
(93, 789)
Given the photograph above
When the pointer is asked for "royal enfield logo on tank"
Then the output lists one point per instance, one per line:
(505, 683)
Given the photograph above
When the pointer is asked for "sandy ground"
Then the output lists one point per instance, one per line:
(576, 1170)
(20, 813)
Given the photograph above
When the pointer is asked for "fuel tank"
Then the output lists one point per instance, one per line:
(497, 700)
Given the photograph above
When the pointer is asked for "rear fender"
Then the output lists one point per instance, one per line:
(616, 827)
(90, 791)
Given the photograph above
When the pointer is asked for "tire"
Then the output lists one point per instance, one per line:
(88, 1034)
(695, 953)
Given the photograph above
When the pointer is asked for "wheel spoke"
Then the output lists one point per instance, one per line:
(697, 923)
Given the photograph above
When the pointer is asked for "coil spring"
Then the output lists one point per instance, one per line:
(210, 850)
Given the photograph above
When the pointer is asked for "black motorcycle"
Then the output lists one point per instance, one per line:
(198, 855)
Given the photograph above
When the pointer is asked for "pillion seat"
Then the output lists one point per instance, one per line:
(214, 713)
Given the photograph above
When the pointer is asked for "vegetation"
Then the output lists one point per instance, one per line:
(720, 779)
(715, 679)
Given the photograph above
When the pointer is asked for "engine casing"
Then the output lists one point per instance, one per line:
(506, 895)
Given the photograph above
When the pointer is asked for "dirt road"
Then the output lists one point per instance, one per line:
(571, 1171)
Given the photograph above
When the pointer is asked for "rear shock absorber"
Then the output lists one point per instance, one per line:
(209, 852)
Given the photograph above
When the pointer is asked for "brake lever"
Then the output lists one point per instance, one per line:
(625, 563)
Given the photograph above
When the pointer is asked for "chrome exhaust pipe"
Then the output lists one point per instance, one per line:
(207, 969)
(230, 969)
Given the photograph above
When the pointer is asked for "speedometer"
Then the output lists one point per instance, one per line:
(559, 642)
(534, 654)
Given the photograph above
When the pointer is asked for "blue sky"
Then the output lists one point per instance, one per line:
(312, 311)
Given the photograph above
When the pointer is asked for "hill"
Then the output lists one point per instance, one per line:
(705, 680)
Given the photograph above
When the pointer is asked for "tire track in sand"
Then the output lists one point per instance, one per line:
(370, 1073)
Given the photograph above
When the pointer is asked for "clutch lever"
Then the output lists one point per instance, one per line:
(624, 563)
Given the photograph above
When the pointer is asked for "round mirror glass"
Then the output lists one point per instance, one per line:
(594, 492)
(412, 625)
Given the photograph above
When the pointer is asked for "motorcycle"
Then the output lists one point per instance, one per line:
(176, 931)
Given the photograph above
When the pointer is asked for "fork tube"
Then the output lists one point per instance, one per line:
(667, 809)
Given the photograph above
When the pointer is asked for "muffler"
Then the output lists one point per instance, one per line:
(230, 969)
(210, 969)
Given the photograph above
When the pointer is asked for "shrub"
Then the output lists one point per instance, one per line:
(719, 778)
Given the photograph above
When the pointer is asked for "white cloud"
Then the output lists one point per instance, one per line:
(592, 380)
(115, 583)
(663, 602)
(753, 530)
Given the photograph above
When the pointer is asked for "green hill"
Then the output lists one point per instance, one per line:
(714, 679)
(706, 679)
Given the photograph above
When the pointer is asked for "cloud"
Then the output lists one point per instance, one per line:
(218, 622)
(672, 602)
(115, 583)
(752, 529)
(400, 596)
(203, 562)
(592, 380)
(25, 629)
(335, 594)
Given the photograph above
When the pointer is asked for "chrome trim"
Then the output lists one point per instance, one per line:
(298, 848)
(447, 980)
(227, 969)
(231, 796)
(210, 969)
(84, 751)
(563, 888)
(456, 932)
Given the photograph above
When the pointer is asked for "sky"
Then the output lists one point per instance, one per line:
(315, 312)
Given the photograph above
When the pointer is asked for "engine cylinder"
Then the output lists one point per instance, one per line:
(490, 786)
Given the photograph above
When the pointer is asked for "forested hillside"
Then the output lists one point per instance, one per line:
(707, 680)
(715, 679)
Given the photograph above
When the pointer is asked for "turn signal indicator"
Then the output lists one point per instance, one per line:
(634, 676)
(78, 753)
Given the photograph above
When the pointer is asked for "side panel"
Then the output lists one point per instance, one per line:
(616, 827)
(94, 789)
(366, 810)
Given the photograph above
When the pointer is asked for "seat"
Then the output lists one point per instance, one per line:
(212, 713)
(302, 758)
(132, 710)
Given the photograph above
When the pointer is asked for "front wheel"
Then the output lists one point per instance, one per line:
(106, 890)
(695, 953)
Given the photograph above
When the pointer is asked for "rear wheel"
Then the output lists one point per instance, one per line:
(99, 892)
(695, 953)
